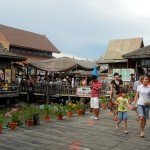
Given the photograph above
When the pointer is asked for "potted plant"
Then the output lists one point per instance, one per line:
(80, 108)
(14, 116)
(59, 111)
(29, 112)
(85, 106)
(103, 101)
(47, 111)
(1, 123)
(14, 120)
(70, 108)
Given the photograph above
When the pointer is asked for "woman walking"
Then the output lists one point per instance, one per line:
(142, 98)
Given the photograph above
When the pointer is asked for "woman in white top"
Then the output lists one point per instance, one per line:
(142, 98)
(136, 84)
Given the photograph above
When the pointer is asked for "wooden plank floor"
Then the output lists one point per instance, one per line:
(77, 133)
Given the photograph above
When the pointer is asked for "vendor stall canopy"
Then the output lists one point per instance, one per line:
(63, 64)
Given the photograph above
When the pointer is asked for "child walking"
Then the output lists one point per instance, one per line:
(123, 104)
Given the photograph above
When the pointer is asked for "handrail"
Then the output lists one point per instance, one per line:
(48, 89)
(13, 88)
(9, 91)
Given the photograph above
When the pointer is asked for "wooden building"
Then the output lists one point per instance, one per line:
(141, 57)
(7, 74)
(31, 45)
(6, 60)
(116, 48)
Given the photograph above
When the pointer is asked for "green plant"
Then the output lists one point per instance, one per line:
(71, 106)
(15, 116)
(58, 109)
(103, 100)
(80, 105)
(29, 111)
(47, 110)
(1, 119)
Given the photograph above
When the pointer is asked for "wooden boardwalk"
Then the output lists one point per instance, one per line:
(77, 133)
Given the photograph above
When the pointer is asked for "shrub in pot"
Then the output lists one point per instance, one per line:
(70, 108)
(47, 111)
(29, 111)
(80, 108)
(14, 116)
(59, 111)
(14, 120)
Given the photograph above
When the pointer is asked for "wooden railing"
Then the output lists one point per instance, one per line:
(49, 89)
(9, 91)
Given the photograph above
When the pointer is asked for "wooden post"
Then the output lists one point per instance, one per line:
(68, 92)
(136, 70)
(47, 97)
(35, 71)
(28, 96)
(28, 99)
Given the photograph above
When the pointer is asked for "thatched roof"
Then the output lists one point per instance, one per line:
(102, 61)
(140, 53)
(117, 48)
(25, 39)
(81, 72)
(63, 64)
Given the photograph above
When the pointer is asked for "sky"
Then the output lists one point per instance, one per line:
(81, 28)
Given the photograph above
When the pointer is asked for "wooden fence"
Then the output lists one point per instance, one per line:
(9, 91)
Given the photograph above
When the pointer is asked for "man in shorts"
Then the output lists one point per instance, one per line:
(95, 92)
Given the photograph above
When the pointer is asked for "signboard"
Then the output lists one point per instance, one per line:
(8, 75)
(83, 91)
(125, 73)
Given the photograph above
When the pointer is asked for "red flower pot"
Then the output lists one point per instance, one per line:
(69, 113)
(46, 119)
(103, 105)
(13, 126)
(30, 123)
(80, 112)
(60, 117)
(1, 128)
